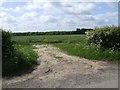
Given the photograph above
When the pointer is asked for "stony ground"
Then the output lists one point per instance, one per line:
(57, 69)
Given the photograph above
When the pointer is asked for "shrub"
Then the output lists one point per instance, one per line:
(7, 53)
(15, 58)
(106, 37)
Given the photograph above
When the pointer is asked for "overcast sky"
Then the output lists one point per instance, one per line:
(54, 16)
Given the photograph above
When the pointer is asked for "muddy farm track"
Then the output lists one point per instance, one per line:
(57, 69)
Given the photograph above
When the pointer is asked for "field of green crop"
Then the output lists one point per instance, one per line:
(72, 44)
(50, 39)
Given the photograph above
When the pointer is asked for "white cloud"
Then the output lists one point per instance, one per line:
(90, 20)
(10, 19)
(29, 16)
(5, 18)
(79, 8)
(37, 5)
(7, 21)
(0, 4)
(36, 16)
(109, 18)
(61, 7)
(2, 14)
(17, 9)
(49, 19)
(74, 7)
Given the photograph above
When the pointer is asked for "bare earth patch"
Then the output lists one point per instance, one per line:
(57, 69)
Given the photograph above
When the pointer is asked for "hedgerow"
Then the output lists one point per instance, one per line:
(15, 58)
(106, 37)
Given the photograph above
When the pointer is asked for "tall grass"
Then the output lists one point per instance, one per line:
(27, 52)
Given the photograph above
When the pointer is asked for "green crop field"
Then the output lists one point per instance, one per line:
(50, 39)
(72, 44)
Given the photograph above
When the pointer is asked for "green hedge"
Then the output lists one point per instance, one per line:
(8, 53)
(15, 58)
(106, 37)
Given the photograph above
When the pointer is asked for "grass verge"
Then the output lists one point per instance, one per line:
(89, 52)
(24, 59)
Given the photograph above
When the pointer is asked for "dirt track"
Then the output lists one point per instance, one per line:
(57, 69)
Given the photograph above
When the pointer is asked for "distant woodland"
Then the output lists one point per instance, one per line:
(78, 31)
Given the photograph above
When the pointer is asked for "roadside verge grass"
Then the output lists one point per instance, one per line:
(24, 59)
(89, 52)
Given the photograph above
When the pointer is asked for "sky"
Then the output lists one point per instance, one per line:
(32, 16)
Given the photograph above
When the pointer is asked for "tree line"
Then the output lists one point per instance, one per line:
(78, 31)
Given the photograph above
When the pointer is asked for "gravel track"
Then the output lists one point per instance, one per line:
(57, 69)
